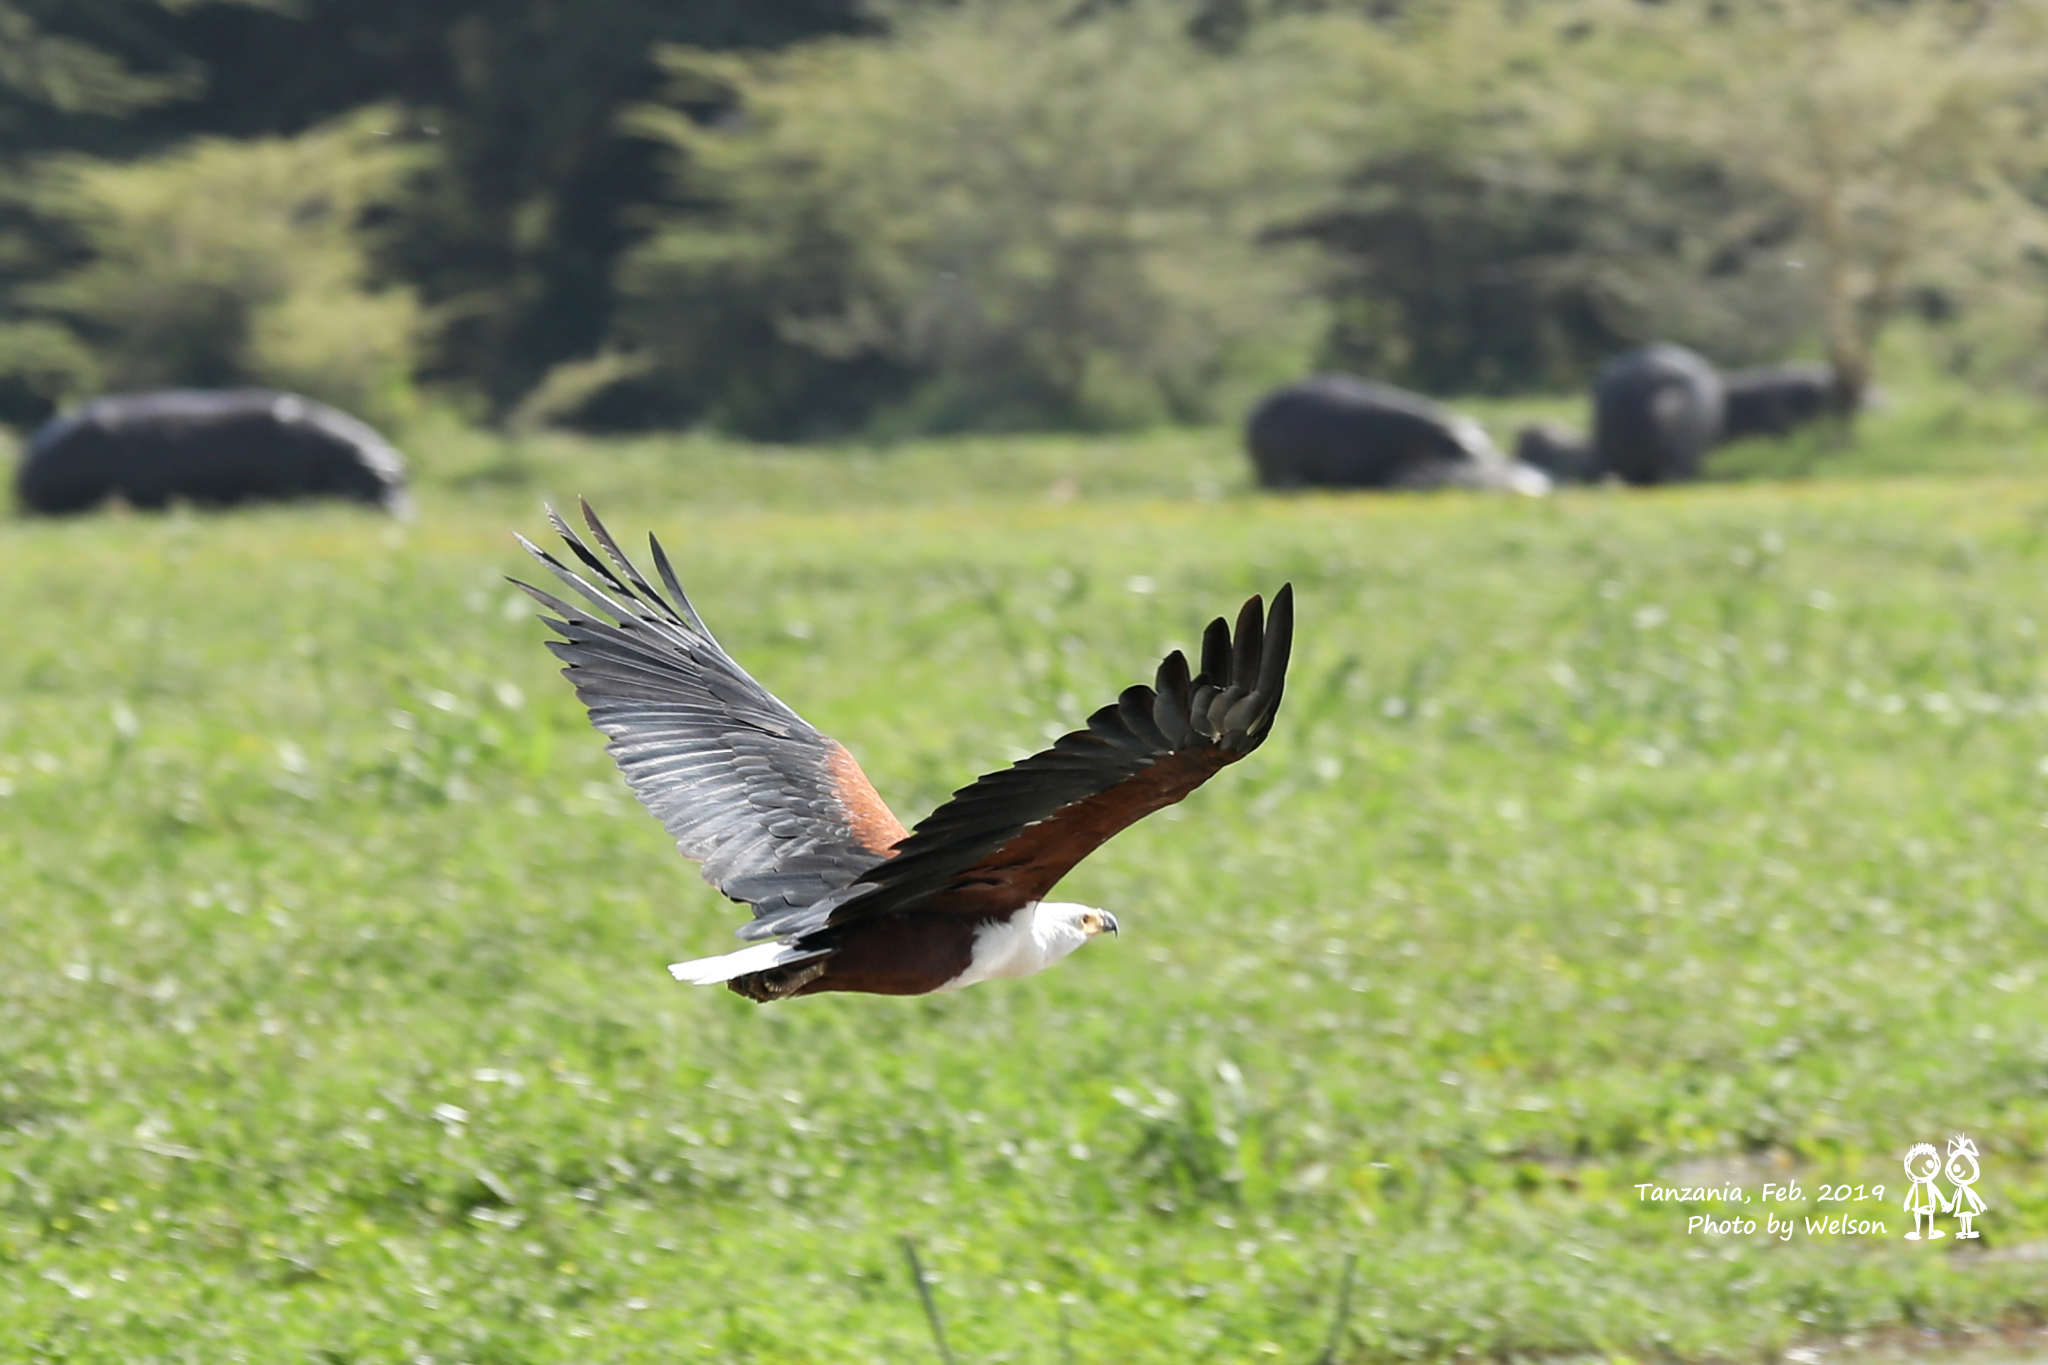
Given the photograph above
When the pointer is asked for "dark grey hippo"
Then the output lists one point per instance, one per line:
(1334, 431)
(1656, 410)
(1771, 400)
(1563, 454)
(210, 447)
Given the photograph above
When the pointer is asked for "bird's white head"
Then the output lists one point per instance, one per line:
(1059, 927)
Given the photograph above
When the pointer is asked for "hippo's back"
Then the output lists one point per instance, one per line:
(211, 447)
(1340, 432)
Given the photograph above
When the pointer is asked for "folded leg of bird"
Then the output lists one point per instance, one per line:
(777, 982)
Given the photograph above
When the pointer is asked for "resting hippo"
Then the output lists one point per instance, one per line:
(1655, 412)
(1335, 431)
(1771, 400)
(212, 447)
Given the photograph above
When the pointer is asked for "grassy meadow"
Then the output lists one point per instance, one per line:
(1688, 838)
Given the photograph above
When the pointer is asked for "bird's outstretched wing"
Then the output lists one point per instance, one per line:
(778, 812)
(1006, 838)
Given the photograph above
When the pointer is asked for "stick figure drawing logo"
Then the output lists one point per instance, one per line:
(1962, 1173)
(1924, 1198)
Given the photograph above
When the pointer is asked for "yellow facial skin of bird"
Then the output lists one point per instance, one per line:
(1098, 922)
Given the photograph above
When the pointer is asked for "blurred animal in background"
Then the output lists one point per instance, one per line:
(1656, 411)
(1336, 431)
(783, 819)
(214, 448)
(1775, 400)
(1557, 450)
(1653, 405)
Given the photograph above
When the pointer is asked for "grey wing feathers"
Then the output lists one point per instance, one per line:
(777, 811)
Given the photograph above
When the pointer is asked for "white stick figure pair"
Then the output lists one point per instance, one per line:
(1925, 1199)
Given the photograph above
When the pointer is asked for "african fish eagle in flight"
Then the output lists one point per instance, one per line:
(783, 819)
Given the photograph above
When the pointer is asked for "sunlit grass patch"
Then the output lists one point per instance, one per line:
(1614, 839)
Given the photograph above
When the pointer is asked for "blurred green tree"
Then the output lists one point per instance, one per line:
(1010, 214)
(1903, 137)
(231, 262)
(72, 70)
(513, 236)
(73, 75)
(513, 239)
(1493, 228)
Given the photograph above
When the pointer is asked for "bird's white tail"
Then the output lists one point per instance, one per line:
(709, 971)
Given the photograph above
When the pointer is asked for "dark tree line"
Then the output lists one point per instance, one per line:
(515, 235)
(799, 218)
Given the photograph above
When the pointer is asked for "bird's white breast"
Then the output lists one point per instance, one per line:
(1031, 940)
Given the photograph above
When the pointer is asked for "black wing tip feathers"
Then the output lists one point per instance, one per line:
(1234, 699)
(1277, 653)
(1216, 650)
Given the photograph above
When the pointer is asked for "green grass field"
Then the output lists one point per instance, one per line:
(1682, 838)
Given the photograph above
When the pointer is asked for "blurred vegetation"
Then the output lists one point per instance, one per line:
(70, 70)
(1501, 223)
(510, 241)
(236, 261)
(1902, 139)
(1021, 218)
(805, 219)
(58, 92)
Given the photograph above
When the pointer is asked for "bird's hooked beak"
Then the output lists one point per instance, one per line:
(1109, 924)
